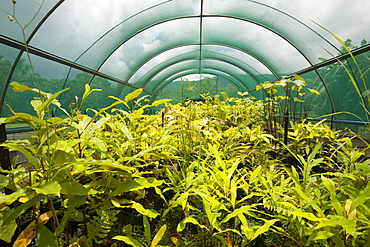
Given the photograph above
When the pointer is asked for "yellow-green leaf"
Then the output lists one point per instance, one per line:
(162, 101)
(313, 91)
(17, 87)
(158, 236)
(133, 95)
(128, 240)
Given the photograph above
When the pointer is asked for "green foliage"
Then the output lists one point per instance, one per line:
(198, 174)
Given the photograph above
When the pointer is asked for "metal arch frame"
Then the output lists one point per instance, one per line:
(194, 59)
(20, 53)
(205, 58)
(199, 16)
(159, 85)
(21, 47)
(224, 16)
(159, 70)
(206, 44)
(210, 71)
(202, 16)
(192, 71)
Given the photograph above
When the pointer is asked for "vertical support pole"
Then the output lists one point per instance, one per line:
(286, 127)
(4, 152)
(4, 155)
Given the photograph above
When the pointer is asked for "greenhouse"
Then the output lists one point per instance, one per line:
(177, 123)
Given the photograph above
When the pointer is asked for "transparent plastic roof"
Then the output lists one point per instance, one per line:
(151, 43)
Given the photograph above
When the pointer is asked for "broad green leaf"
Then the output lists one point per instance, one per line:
(97, 143)
(48, 101)
(127, 229)
(148, 212)
(162, 101)
(9, 199)
(158, 236)
(329, 185)
(17, 87)
(30, 232)
(133, 95)
(255, 174)
(364, 167)
(29, 155)
(45, 237)
(309, 216)
(72, 203)
(362, 197)
(147, 229)
(147, 150)
(49, 188)
(128, 240)
(73, 188)
(7, 182)
(23, 208)
(7, 231)
(181, 226)
(124, 203)
(321, 235)
(265, 227)
(239, 212)
(348, 225)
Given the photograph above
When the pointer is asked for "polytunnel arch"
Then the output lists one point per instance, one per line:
(145, 82)
(193, 71)
(198, 42)
(250, 67)
(287, 19)
(213, 72)
(215, 64)
(200, 16)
